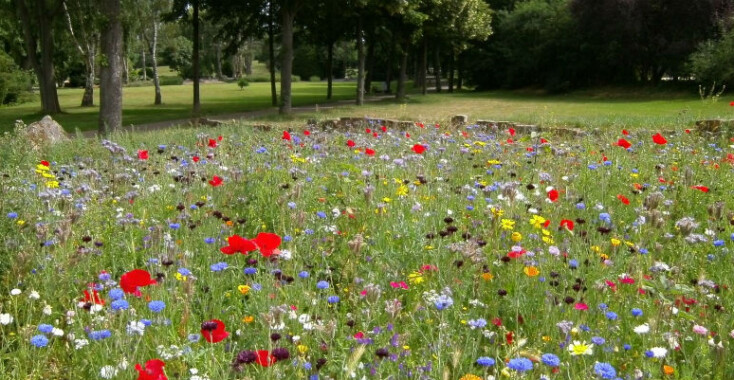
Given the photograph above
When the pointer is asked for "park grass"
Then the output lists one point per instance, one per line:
(596, 108)
(138, 108)
(599, 108)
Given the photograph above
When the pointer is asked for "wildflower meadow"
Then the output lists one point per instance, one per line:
(434, 252)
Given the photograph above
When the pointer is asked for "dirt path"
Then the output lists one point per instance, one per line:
(251, 115)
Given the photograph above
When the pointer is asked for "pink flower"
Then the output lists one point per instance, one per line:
(400, 284)
(700, 330)
(581, 306)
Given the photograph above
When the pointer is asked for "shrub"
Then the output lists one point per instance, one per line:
(171, 80)
(14, 82)
(242, 83)
(314, 78)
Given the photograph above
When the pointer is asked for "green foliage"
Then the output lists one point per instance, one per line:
(314, 78)
(178, 55)
(242, 83)
(14, 82)
(307, 61)
(712, 62)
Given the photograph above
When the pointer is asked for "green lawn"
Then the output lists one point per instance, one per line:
(586, 109)
(138, 108)
(597, 108)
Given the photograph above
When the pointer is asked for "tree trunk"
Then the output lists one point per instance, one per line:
(400, 95)
(451, 72)
(43, 67)
(142, 57)
(459, 73)
(196, 59)
(125, 70)
(329, 69)
(360, 60)
(388, 70)
(154, 58)
(370, 65)
(110, 90)
(437, 67)
(88, 97)
(220, 76)
(286, 67)
(424, 68)
(271, 54)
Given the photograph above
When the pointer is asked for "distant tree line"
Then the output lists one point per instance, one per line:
(446, 44)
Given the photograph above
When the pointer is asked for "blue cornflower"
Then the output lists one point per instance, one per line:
(550, 360)
(193, 338)
(573, 263)
(644, 251)
(184, 272)
(485, 361)
(218, 267)
(99, 335)
(303, 274)
(478, 323)
(146, 322)
(718, 243)
(322, 285)
(104, 276)
(611, 315)
(580, 206)
(597, 340)
(605, 370)
(321, 214)
(627, 347)
(333, 299)
(250, 270)
(291, 205)
(39, 341)
(520, 364)
(44, 328)
(116, 294)
(287, 238)
(257, 287)
(119, 304)
(12, 215)
(602, 306)
(649, 354)
(209, 240)
(308, 231)
(443, 302)
(174, 226)
(156, 306)
(636, 312)
(592, 167)
(605, 217)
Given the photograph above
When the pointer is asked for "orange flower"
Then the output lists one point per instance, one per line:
(531, 271)
(487, 276)
(668, 370)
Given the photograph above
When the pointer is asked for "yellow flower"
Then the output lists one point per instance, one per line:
(548, 239)
(531, 271)
(497, 212)
(20, 222)
(402, 191)
(480, 143)
(596, 248)
(248, 319)
(507, 224)
(470, 376)
(537, 221)
(180, 277)
(386, 200)
(580, 348)
(244, 289)
(52, 184)
(616, 242)
(516, 237)
(494, 162)
(416, 278)
(302, 349)
(48, 175)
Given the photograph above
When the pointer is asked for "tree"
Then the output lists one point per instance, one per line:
(82, 17)
(149, 15)
(180, 11)
(37, 19)
(110, 88)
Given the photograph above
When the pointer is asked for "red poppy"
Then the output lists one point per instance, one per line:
(216, 181)
(543, 141)
(731, 104)
(418, 148)
(136, 278)
(659, 139)
(195, 159)
(497, 322)
(383, 128)
(45, 163)
(93, 298)
(625, 132)
(407, 135)
(238, 244)
(701, 188)
(553, 195)
(547, 223)
(286, 136)
(212, 143)
(265, 358)
(267, 242)
(367, 130)
(307, 132)
(214, 331)
(153, 370)
(509, 337)
(350, 143)
(623, 199)
(143, 154)
(369, 152)
(568, 224)
(688, 131)
(512, 131)
(516, 254)
(624, 143)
